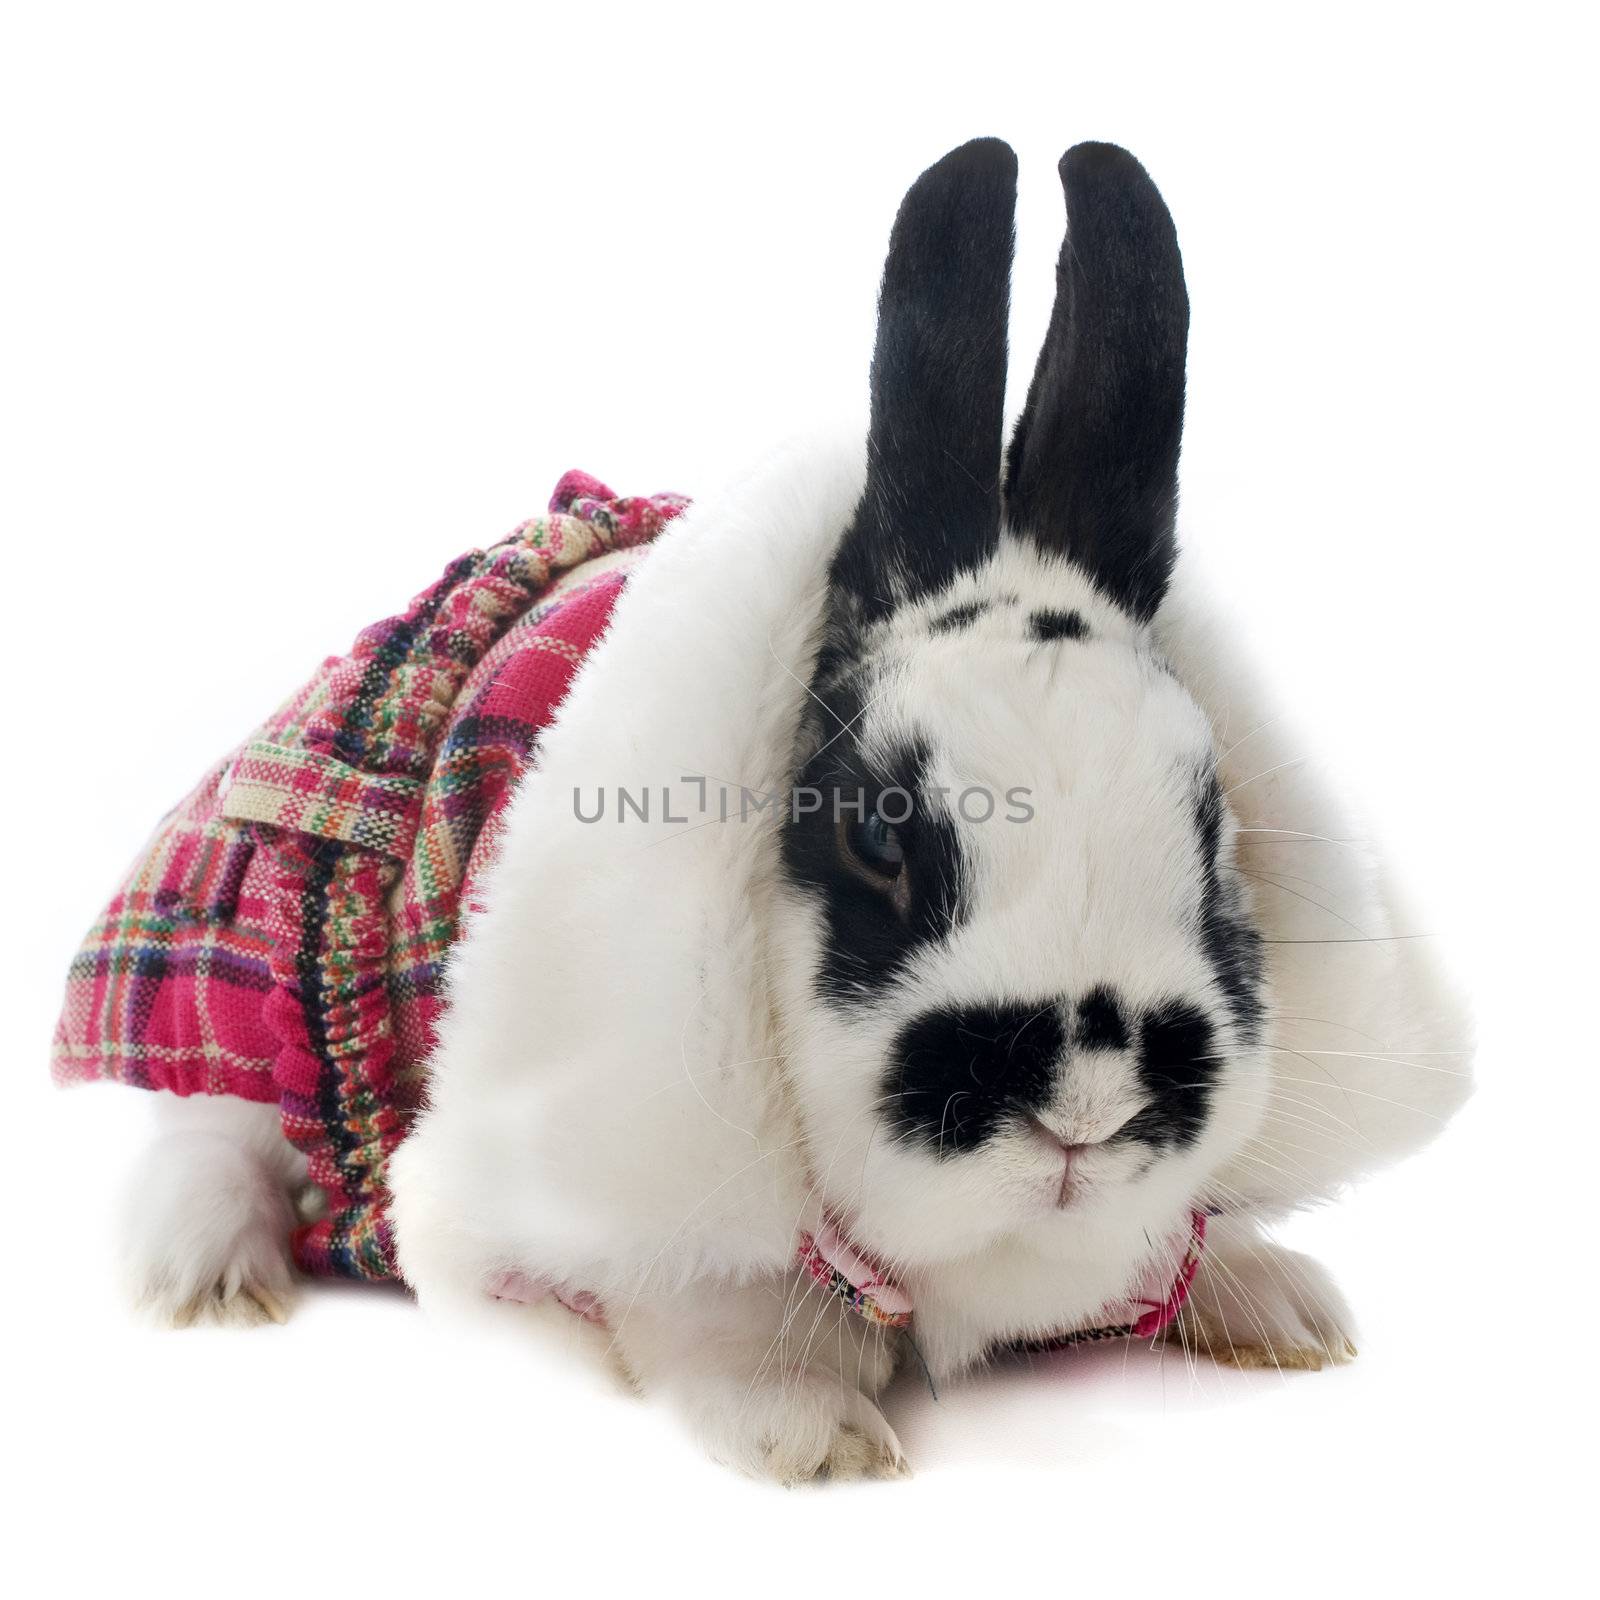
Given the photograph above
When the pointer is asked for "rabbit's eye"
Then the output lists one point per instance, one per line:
(876, 846)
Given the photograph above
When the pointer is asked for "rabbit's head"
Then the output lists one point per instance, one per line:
(1017, 971)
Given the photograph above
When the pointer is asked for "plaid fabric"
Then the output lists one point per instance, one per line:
(282, 935)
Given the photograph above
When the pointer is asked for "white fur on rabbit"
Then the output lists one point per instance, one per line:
(664, 1058)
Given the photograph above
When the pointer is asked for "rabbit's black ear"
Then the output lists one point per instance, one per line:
(1093, 465)
(932, 501)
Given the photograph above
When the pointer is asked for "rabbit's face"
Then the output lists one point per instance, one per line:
(1016, 969)
(1022, 977)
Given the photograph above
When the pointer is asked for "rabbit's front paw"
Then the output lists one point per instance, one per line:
(240, 1279)
(206, 1236)
(1255, 1304)
(797, 1431)
(249, 1305)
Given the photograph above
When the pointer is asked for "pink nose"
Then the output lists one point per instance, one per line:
(1070, 1153)
(1070, 1150)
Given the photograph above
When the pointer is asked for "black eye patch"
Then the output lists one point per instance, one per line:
(1231, 943)
(870, 936)
(957, 1073)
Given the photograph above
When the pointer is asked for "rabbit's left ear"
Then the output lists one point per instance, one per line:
(1093, 469)
(931, 507)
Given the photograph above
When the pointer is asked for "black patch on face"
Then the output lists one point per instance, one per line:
(1050, 625)
(960, 1073)
(1232, 946)
(868, 937)
(1099, 1023)
(1176, 1066)
(961, 616)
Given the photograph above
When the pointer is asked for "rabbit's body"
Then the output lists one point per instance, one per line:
(632, 1147)
(1121, 961)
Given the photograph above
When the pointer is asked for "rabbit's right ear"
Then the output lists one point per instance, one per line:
(931, 507)
(1093, 468)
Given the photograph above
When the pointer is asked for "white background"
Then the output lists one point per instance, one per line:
(303, 300)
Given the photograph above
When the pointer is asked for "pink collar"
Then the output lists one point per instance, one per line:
(844, 1269)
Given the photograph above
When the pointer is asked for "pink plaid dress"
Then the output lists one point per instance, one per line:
(282, 935)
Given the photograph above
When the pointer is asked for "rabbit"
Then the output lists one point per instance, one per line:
(919, 933)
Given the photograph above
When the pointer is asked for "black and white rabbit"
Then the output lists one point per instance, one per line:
(981, 913)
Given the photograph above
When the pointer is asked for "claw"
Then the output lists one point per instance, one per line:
(249, 1306)
(271, 1304)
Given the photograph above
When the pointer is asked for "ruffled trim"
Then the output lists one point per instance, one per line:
(339, 814)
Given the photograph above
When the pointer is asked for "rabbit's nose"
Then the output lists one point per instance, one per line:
(1070, 1152)
(1070, 1155)
(1079, 1135)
